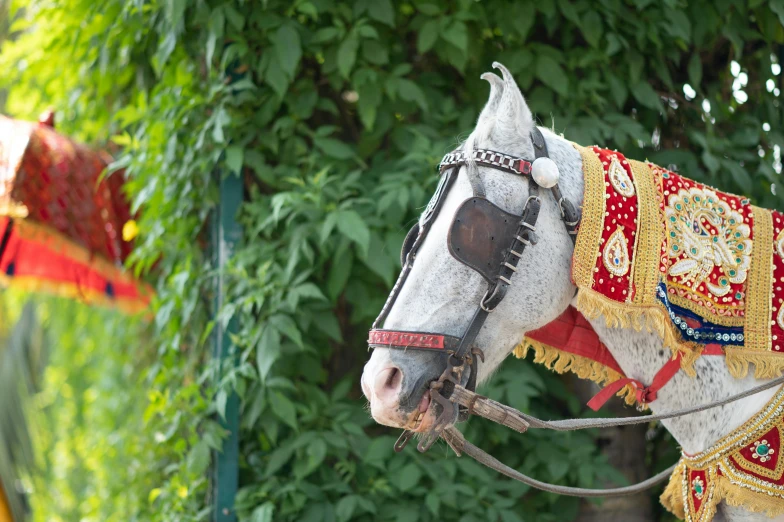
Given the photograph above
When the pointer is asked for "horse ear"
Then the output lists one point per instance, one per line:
(486, 118)
(513, 117)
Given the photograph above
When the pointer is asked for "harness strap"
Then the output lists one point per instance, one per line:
(520, 422)
(461, 446)
(647, 394)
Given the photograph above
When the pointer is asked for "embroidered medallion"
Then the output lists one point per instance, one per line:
(780, 317)
(762, 451)
(620, 179)
(616, 254)
(704, 233)
(698, 487)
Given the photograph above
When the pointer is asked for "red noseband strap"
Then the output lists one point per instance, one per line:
(418, 340)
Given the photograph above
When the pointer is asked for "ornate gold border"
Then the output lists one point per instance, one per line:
(759, 284)
(751, 429)
(645, 265)
(592, 220)
(698, 309)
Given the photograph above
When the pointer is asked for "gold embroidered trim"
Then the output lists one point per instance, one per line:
(560, 361)
(735, 486)
(773, 474)
(645, 269)
(751, 430)
(759, 284)
(590, 233)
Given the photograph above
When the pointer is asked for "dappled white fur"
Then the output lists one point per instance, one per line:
(441, 294)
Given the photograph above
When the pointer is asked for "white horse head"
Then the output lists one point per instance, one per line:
(441, 294)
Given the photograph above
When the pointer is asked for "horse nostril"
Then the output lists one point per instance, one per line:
(393, 379)
(387, 385)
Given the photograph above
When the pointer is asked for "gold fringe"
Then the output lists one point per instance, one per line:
(738, 496)
(767, 365)
(625, 315)
(672, 496)
(560, 361)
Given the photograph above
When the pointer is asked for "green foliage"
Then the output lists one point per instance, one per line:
(337, 114)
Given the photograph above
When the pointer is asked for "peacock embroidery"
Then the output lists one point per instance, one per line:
(703, 233)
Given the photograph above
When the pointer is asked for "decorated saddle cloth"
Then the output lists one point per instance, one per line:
(701, 267)
(658, 250)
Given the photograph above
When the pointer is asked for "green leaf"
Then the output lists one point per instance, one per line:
(347, 54)
(557, 468)
(695, 71)
(592, 28)
(679, 25)
(283, 408)
(427, 36)
(552, 74)
(457, 35)
(351, 225)
(382, 11)
(221, 398)
(263, 513)
(234, 159)
(334, 148)
(276, 77)
(198, 458)
(644, 93)
(316, 452)
(267, 350)
(288, 48)
(286, 325)
(407, 478)
(345, 508)
(410, 91)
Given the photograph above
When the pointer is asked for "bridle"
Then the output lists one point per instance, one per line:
(476, 239)
(472, 241)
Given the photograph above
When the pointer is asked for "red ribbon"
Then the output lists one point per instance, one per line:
(648, 394)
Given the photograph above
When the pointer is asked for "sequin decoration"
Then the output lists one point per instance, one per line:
(620, 179)
(780, 244)
(616, 254)
(698, 486)
(704, 233)
(762, 451)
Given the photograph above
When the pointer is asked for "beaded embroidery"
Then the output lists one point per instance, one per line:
(693, 263)
(743, 469)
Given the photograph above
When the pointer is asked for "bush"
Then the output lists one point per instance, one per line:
(334, 114)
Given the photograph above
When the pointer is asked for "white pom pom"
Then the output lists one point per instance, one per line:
(545, 172)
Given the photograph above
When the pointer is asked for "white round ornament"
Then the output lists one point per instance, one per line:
(545, 172)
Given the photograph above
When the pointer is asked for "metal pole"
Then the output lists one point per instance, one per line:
(226, 235)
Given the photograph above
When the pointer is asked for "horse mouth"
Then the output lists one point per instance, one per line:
(418, 419)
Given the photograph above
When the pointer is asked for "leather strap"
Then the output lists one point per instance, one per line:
(508, 416)
(461, 447)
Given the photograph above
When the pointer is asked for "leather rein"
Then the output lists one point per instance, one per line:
(453, 393)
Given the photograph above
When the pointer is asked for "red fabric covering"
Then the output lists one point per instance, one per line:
(38, 259)
(572, 333)
(66, 236)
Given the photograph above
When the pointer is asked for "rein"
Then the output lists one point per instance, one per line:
(471, 240)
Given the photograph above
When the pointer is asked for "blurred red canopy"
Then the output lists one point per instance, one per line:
(60, 222)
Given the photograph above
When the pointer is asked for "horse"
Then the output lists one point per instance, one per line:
(440, 294)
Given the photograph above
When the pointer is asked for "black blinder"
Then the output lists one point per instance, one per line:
(408, 243)
(480, 236)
